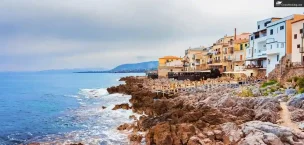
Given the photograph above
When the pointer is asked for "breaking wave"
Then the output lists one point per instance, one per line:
(94, 124)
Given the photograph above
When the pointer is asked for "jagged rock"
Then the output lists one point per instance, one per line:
(290, 91)
(122, 106)
(103, 107)
(135, 138)
(124, 126)
(270, 133)
(231, 133)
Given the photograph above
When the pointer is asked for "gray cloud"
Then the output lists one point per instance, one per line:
(50, 34)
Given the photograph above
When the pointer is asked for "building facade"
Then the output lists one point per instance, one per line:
(270, 42)
(297, 42)
(169, 64)
(192, 62)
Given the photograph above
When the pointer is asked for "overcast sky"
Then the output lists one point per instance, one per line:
(56, 34)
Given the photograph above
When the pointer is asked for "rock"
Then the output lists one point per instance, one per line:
(297, 101)
(185, 131)
(35, 143)
(160, 135)
(218, 134)
(77, 144)
(231, 133)
(297, 115)
(256, 92)
(103, 107)
(135, 138)
(290, 91)
(124, 126)
(133, 117)
(122, 106)
(270, 133)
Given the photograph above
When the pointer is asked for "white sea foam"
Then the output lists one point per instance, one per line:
(93, 92)
(98, 126)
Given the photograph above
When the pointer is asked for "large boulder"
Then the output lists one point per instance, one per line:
(297, 101)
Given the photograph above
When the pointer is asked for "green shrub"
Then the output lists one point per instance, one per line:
(271, 82)
(289, 80)
(246, 93)
(301, 90)
(295, 78)
(300, 82)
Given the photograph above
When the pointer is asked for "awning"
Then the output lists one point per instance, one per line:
(260, 58)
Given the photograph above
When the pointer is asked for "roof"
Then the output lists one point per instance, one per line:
(241, 41)
(297, 21)
(171, 57)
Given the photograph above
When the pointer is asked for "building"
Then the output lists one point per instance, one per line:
(191, 61)
(270, 42)
(297, 42)
(169, 64)
(202, 59)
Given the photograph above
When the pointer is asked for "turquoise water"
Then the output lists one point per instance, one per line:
(60, 108)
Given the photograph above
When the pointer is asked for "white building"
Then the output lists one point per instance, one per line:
(297, 41)
(268, 44)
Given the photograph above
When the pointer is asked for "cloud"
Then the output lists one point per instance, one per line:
(50, 34)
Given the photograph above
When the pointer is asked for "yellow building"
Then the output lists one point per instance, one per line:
(164, 60)
(169, 64)
(240, 52)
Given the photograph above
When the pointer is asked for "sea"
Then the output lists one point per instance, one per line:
(62, 108)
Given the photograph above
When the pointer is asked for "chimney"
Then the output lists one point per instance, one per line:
(234, 33)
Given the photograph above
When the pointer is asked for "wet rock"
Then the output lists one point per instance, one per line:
(122, 106)
(124, 126)
(77, 144)
(133, 117)
(103, 107)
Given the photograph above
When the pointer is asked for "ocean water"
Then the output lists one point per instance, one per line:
(61, 108)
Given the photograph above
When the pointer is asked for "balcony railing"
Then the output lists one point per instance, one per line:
(217, 61)
(209, 62)
(254, 66)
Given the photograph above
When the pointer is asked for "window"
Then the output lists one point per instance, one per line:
(241, 57)
(246, 45)
(241, 46)
(254, 50)
(281, 27)
(295, 36)
(301, 31)
(277, 45)
(278, 57)
(268, 61)
(298, 46)
(282, 45)
(270, 46)
(271, 31)
(258, 26)
(251, 37)
(249, 51)
(231, 66)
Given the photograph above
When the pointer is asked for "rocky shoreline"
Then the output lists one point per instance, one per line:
(217, 116)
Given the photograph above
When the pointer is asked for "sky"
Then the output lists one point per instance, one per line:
(60, 34)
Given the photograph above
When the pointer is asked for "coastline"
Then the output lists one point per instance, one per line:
(203, 116)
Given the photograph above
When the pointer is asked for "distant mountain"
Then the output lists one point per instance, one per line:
(150, 65)
(72, 70)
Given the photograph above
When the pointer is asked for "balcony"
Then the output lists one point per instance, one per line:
(217, 61)
(254, 67)
(217, 52)
(209, 62)
(272, 51)
(197, 63)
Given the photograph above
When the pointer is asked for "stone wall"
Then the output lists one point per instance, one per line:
(285, 70)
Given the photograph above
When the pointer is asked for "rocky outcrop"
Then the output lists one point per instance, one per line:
(216, 116)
